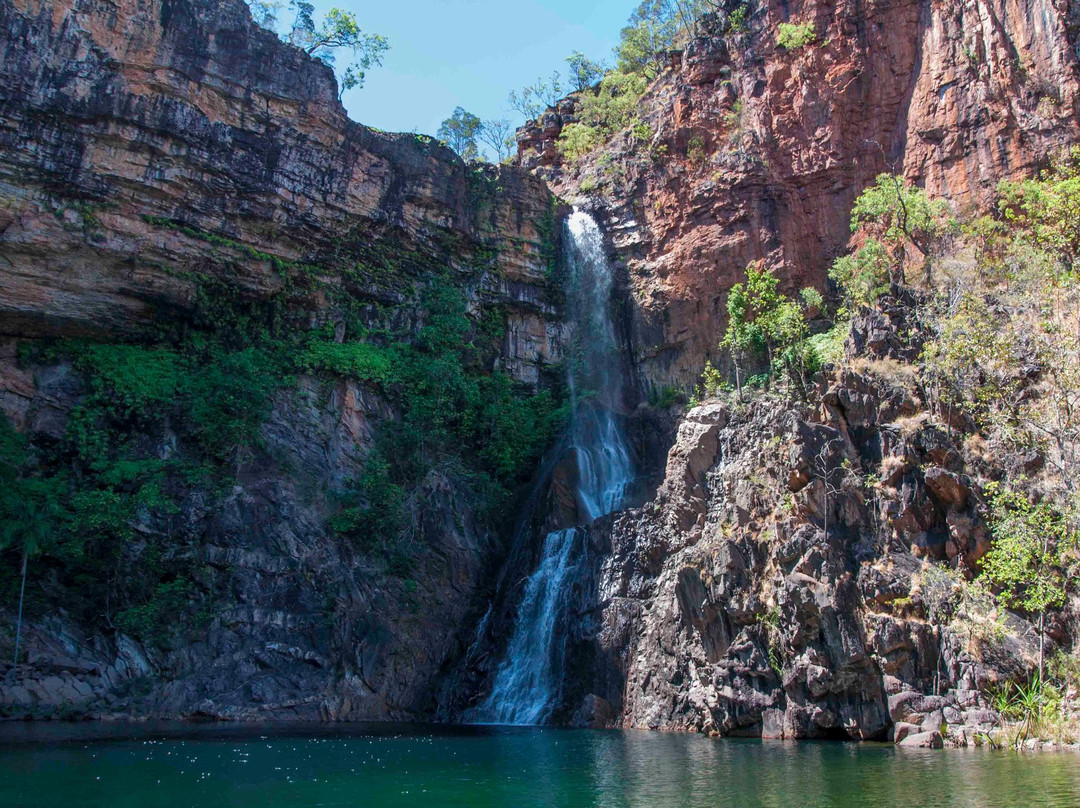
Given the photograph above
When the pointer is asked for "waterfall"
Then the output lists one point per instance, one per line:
(528, 682)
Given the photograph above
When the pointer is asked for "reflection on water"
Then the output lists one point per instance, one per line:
(387, 765)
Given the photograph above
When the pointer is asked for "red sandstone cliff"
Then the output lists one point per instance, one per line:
(758, 153)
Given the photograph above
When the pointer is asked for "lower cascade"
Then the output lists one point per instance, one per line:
(528, 683)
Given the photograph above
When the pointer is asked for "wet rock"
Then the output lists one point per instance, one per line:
(923, 740)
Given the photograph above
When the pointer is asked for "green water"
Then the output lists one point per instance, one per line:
(144, 766)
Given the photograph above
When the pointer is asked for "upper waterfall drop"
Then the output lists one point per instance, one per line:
(529, 680)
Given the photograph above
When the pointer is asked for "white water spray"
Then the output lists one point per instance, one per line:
(528, 683)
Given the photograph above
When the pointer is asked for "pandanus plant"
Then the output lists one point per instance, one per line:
(29, 525)
(30, 513)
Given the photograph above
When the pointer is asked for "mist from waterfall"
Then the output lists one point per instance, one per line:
(528, 683)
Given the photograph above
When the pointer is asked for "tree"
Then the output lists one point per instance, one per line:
(499, 135)
(833, 476)
(30, 514)
(862, 277)
(1046, 209)
(584, 73)
(899, 214)
(647, 37)
(339, 30)
(1027, 563)
(761, 318)
(460, 132)
(533, 99)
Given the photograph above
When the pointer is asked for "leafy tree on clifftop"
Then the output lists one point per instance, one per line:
(338, 30)
(460, 132)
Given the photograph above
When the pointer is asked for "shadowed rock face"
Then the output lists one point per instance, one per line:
(154, 151)
(756, 153)
(748, 599)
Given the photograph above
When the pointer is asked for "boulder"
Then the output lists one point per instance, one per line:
(923, 740)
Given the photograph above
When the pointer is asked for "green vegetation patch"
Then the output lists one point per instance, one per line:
(793, 36)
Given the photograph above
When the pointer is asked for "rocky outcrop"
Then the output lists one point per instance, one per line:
(296, 623)
(757, 153)
(778, 583)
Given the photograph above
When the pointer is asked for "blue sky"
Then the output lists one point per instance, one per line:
(470, 53)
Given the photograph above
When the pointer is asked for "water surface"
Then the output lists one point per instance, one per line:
(372, 767)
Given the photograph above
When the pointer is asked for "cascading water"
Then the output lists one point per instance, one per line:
(529, 680)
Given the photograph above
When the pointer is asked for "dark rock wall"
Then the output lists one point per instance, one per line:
(151, 151)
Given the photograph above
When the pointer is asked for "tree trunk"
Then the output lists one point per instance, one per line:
(22, 595)
(1042, 642)
(825, 496)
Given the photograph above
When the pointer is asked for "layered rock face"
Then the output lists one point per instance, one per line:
(158, 152)
(158, 155)
(757, 153)
(776, 584)
(148, 147)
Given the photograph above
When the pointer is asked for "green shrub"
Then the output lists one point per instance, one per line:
(375, 522)
(130, 380)
(738, 21)
(228, 398)
(159, 619)
(577, 140)
(792, 36)
(862, 277)
(355, 360)
(828, 348)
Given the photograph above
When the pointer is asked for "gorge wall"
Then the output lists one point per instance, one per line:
(172, 176)
(169, 168)
(758, 153)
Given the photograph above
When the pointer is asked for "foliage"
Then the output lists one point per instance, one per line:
(611, 107)
(648, 36)
(898, 215)
(862, 277)
(711, 384)
(614, 105)
(76, 503)
(498, 134)
(668, 396)
(339, 30)
(533, 99)
(156, 620)
(228, 398)
(356, 360)
(1028, 560)
(971, 362)
(828, 348)
(1036, 708)
(460, 132)
(792, 36)
(1046, 210)
(655, 27)
(584, 72)
(738, 21)
(760, 318)
(375, 523)
(578, 139)
(29, 504)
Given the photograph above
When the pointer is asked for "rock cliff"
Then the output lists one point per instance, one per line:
(169, 167)
(757, 152)
(148, 147)
(172, 177)
(780, 583)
